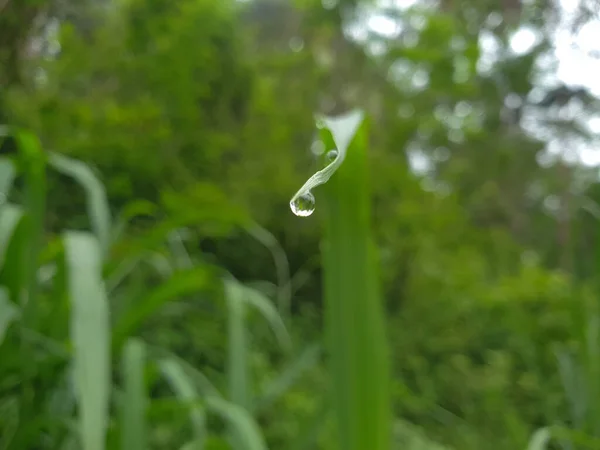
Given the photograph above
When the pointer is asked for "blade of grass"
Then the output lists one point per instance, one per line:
(90, 336)
(130, 212)
(185, 389)
(278, 387)
(574, 387)
(8, 313)
(592, 372)
(10, 217)
(241, 423)
(237, 361)
(540, 439)
(284, 291)
(97, 202)
(205, 387)
(33, 165)
(262, 303)
(181, 283)
(237, 297)
(7, 177)
(133, 407)
(243, 427)
(23, 252)
(182, 258)
(194, 445)
(10, 413)
(354, 316)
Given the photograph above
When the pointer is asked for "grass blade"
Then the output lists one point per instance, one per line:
(269, 312)
(33, 165)
(10, 413)
(90, 335)
(540, 439)
(97, 202)
(306, 361)
(10, 217)
(237, 367)
(8, 313)
(354, 316)
(284, 291)
(194, 445)
(185, 389)
(244, 428)
(181, 283)
(242, 425)
(133, 408)
(7, 177)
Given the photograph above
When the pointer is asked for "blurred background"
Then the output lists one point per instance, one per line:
(198, 117)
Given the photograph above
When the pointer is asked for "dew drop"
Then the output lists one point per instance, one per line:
(296, 44)
(331, 155)
(304, 205)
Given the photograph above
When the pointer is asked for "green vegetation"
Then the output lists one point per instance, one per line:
(157, 292)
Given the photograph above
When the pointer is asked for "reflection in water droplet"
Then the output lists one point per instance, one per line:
(329, 4)
(304, 205)
(332, 154)
(296, 44)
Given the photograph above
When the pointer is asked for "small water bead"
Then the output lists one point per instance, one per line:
(332, 154)
(304, 205)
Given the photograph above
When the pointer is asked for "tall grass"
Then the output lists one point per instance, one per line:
(59, 385)
(77, 373)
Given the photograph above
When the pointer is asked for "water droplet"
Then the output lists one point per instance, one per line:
(332, 154)
(296, 44)
(304, 205)
(329, 4)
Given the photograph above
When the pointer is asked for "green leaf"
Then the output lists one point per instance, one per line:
(97, 202)
(90, 336)
(134, 402)
(354, 322)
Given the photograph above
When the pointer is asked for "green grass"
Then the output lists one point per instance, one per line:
(75, 372)
(80, 368)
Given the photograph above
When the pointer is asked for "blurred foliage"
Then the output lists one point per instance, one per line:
(198, 117)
